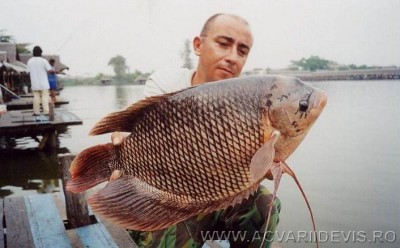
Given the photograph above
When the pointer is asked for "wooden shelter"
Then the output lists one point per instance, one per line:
(58, 65)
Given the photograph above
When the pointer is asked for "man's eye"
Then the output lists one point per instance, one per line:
(223, 44)
(243, 52)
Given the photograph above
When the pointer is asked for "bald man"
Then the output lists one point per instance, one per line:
(222, 48)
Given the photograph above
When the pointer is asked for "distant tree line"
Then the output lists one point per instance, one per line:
(314, 63)
(121, 71)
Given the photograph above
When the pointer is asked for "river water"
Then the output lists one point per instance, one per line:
(348, 164)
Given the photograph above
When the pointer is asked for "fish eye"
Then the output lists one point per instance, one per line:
(303, 105)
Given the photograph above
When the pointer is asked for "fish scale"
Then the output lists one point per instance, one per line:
(194, 151)
(156, 160)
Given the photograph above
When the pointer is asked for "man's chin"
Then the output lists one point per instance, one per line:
(223, 75)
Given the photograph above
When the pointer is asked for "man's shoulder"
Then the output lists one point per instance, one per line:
(172, 74)
(168, 80)
(36, 59)
(172, 79)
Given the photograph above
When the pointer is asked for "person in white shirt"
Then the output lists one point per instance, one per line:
(38, 68)
(222, 47)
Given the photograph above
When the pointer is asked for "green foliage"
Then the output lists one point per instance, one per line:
(119, 64)
(343, 68)
(352, 67)
(185, 55)
(23, 47)
(4, 37)
(312, 63)
(361, 67)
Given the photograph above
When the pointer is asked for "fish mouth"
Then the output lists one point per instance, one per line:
(323, 99)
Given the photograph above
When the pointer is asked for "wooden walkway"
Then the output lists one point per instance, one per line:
(27, 103)
(22, 123)
(37, 221)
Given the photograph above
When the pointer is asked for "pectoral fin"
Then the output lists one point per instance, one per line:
(262, 160)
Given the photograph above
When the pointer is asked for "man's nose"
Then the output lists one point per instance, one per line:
(232, 56)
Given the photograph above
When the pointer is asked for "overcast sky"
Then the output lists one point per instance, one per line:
(151, 33)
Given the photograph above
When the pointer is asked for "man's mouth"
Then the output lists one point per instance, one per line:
(226, 70)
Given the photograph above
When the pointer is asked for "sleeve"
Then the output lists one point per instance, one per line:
(167, 80)
(151, 88)
(47, 65)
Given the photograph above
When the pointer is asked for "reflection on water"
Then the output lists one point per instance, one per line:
(121, 95)
(25, 170)
(28, 171)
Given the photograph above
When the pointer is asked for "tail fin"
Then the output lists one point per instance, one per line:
(91, 167)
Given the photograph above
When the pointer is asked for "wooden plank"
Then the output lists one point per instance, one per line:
(17, 224)
(45, 223)
(118, 234)
(1, 224)
(95, 236)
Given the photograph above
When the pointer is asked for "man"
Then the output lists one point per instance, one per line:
(38, 68)
(222, 47)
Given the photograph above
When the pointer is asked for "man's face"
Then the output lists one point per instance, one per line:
(224, 50)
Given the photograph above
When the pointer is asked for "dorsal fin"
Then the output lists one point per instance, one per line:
(122, 120)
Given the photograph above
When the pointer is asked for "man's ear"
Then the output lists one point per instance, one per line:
(197, 45)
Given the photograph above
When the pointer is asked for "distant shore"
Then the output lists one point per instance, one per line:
(367, 74)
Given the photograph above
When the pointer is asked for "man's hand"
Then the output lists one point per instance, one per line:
(117, 138)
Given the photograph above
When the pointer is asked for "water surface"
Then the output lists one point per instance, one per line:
(348, 164)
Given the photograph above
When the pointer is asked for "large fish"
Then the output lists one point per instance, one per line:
(197, 150)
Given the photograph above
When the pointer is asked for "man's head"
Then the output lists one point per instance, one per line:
(37, 51)
(52, 62)
(223, 46)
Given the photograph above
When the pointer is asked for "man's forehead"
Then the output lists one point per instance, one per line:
(232, 27)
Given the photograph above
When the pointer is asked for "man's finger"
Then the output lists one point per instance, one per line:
(117, 138)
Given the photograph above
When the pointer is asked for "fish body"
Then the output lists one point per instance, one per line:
(197, 150)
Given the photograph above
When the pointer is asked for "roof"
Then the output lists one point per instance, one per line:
(15, 67)
(10, 49)
(59, 66)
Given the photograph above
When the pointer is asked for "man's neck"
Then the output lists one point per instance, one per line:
(197, 78)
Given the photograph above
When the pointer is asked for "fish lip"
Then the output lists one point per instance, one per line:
(323, 99)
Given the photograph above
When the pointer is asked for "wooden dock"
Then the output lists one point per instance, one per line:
(22, 123)
(27, 103)
(56, 220)
(39, 221)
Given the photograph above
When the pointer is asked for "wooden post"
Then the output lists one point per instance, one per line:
(49, 140)
(51, 143)
(51, 111)
(76, 205)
